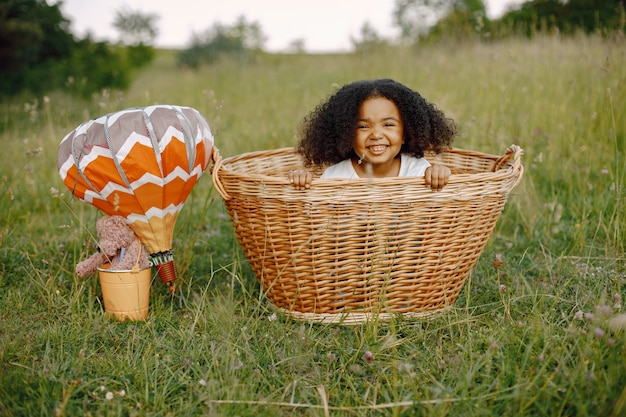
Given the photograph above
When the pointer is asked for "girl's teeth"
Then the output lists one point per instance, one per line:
(377, 148)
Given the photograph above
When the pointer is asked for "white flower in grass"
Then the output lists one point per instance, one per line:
(202, 382)
(617, 301)
(579, 315)
(109, 396)
(272, 317)
(122, 393)
(598, 332)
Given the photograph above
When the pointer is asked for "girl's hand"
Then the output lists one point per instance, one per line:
(436, 176)
(300, 178)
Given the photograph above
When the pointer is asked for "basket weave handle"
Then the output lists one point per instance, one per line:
(515, 152)
(217, 165)
(512, 151)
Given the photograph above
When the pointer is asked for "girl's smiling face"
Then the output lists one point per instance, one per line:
(379, 137)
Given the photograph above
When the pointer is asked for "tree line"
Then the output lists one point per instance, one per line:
(38, 52)
(462, 19)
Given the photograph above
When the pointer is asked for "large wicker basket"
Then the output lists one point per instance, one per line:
(349, 250)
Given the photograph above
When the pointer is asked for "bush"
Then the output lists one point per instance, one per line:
(241, 39)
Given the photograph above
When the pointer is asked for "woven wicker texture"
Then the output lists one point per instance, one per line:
(349, 249)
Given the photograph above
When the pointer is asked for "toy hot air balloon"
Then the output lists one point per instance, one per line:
(139, 163)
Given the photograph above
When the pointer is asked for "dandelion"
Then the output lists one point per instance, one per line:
(368, 357)
(272, 317)
(202, 382)
(109, 396)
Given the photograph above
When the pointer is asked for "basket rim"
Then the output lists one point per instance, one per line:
(513, 154)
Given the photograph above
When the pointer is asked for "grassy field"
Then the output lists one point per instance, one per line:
(543, 335)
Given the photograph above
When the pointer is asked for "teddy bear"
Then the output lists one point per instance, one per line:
(118, 245)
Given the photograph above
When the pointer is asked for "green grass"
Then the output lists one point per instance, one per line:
(543, 335)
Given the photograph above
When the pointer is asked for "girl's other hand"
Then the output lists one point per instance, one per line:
(300, 178)
(436, 176)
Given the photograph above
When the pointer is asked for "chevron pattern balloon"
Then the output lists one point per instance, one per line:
(140, 163)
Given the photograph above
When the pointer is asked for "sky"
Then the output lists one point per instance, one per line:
(323, 25)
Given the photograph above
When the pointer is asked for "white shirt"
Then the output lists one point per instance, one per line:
(410, 166)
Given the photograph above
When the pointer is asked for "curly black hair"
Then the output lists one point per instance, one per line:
(327, 133)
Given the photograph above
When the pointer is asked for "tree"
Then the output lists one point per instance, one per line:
(588, 16)
(249, 34)
(466, 20)
(369, 38)
(38, 53)
(135, 27)
(138, 31)
(297, 46)
(416, 17)
(32, 33)
(240, 39)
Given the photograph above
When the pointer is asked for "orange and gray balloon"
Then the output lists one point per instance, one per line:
(140, 163)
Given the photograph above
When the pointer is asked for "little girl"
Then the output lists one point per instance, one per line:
(374, 128)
